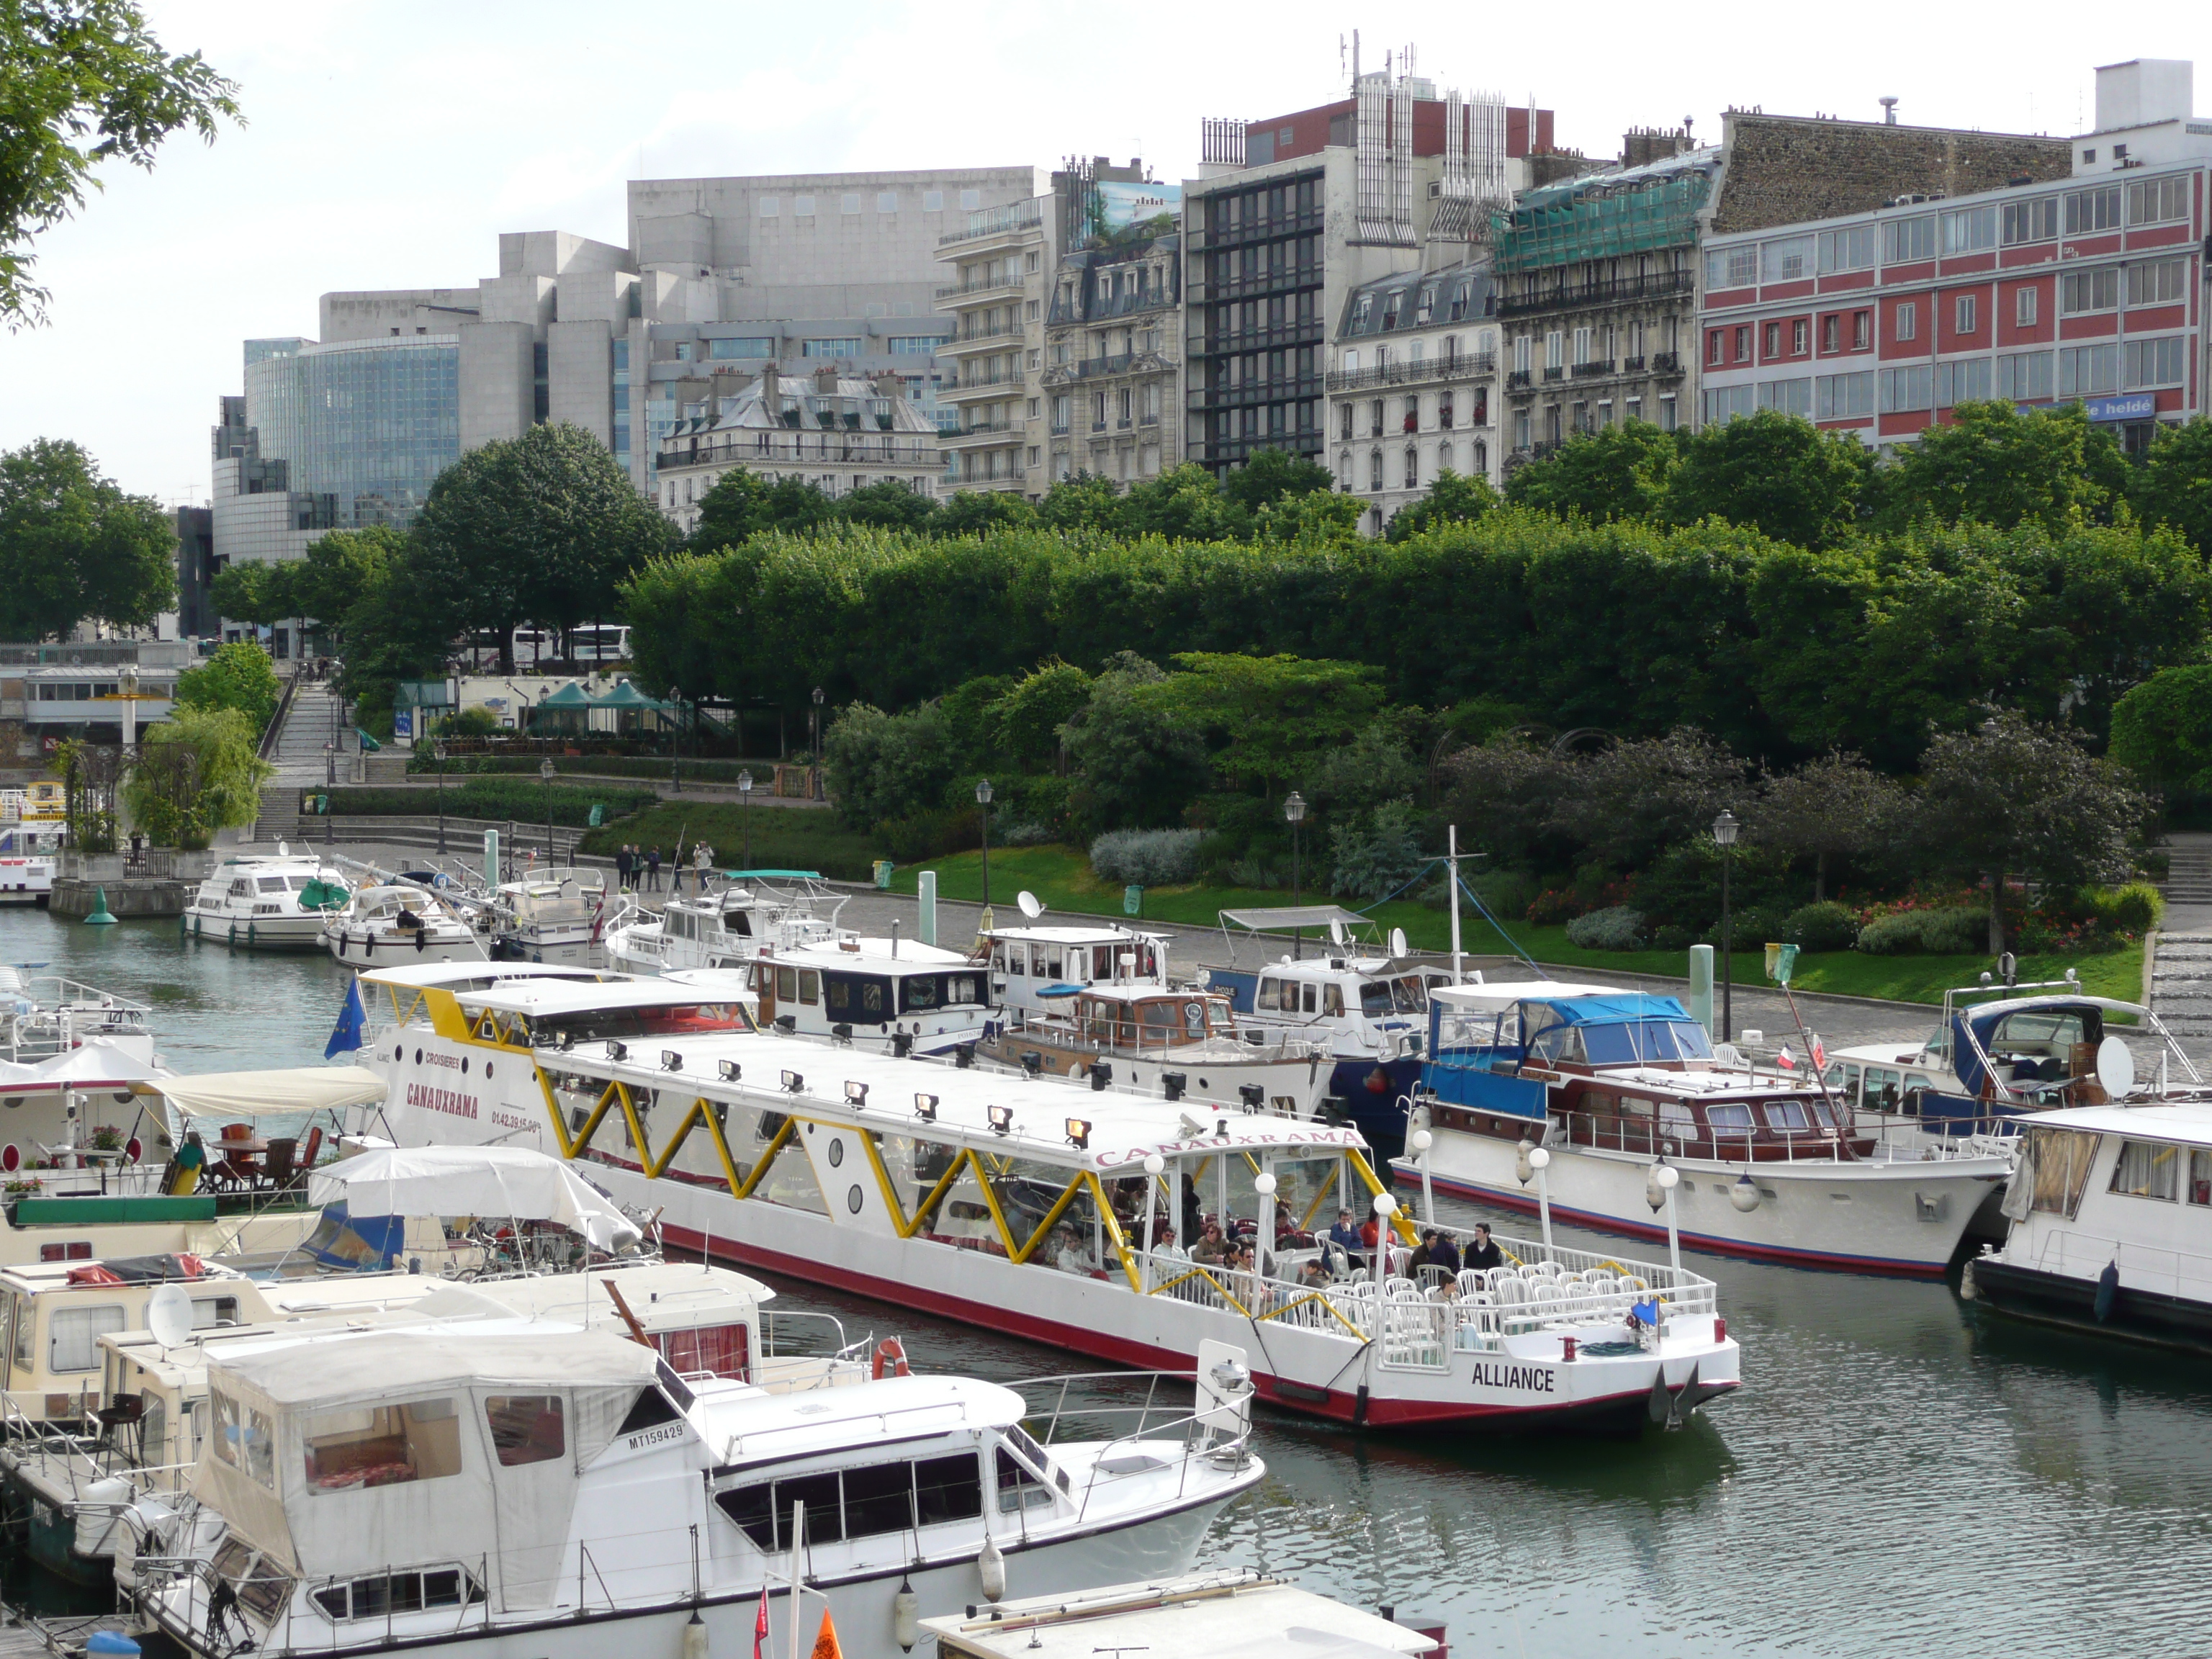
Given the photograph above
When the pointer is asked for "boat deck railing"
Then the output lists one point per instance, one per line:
(1126, 1424)
(1651, 1138)
(2181, 1273)
(1066, 1031)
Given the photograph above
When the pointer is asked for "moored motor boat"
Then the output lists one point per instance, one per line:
(400, 922)
(265, 901)
(726, 925)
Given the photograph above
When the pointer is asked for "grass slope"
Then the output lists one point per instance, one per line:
(1062, 880)
(783, 837)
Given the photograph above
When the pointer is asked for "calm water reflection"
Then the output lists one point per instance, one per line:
(1898, 1477)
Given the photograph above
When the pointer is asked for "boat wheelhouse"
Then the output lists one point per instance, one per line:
(521, 1491)
(1021, 1205)
(2111, 1213)
(726, 927)
(1614, 1085)
(552, 916)
(1032, 966)
(399, 921)
(264, 902)
(894, 994)
(1175, 1044)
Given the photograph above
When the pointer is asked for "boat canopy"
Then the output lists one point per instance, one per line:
(1983, 1023)
(480, 1181)
(544, 999)
(438, 975)
(1502, 994)
(94, 1062)
(772, 875)
(224, 1095)
(1296, 915)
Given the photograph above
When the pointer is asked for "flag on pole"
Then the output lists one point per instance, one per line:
(825, 1641)
(1820, 1053)
(760, 1623)
(351, 1030)
(1785, 1059)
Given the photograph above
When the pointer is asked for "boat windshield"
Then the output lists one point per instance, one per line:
(1406, 994)
(1635, 1042)
(598, 1025)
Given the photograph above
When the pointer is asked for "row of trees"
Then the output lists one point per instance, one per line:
(74, 547)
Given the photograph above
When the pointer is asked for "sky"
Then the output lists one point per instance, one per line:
(387, 145)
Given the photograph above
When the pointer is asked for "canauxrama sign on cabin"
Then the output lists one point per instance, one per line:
(440, 1100)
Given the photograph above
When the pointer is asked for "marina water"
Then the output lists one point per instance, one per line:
(1900, 1475)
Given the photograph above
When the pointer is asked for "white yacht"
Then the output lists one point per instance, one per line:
(554, 916)
(516, 1490)
(1032, 967)
(893, 994)
(727, 925)
(42, 1014)
(265, 901)
(402, 921)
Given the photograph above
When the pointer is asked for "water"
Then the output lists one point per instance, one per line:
(1899, 1475)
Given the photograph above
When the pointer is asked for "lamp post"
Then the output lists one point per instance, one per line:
(1725, 829)
(814, 748)
(983, 800)
(1294, 809)
(545, 771)
(675, 736)
(438, 749)
(745, 810)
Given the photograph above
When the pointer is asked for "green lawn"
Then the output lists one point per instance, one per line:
(1062, 880)
(783, 837)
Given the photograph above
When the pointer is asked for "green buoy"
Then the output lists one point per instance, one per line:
(101, 916)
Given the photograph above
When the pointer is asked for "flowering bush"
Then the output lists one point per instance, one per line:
(1617, 928)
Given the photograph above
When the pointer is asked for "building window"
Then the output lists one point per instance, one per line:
(1907, 240)
(1521, 354)
(2023, 377)
(1344, 421)
(2157, 283)
(1412, 422)
(1521, 428)
(1965, 381)
(1713, 345)
(835, 348)
(2157, 362)
(2023, 307)
(2088, 212)
(1443, 458)
(2031, 222)
(1375, 470)
(1582, 346)
(1772, 343)
(1908, 320)
(802, 207)
(1793, 397)
(971, 200)
(1633, 409)
(1479, 462)
(933, 201)
(1832, 332)
(2154, 201)
(1787, 260)
(1846, 250)
(1555, 350)
(1800, 337)
(1375, 418)
(1908, 389)
(1743, 343)
(1964, 314)
(1843, 397)
(850, 202)
(1412, 467)
(1970, 230)
(770, 207)
(1862, 330)
(1732, 267)
(1667, 411)
(1724, 403)
(887, 201)
(2089, 290)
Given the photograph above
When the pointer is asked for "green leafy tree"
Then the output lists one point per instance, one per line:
(2174, 485)
(253, 591)
(1629, 799)
(1504, 796)
(731, 512)
(980, 512)
(540, 528)
(1029, 717)
(196, 772)
(888, 505)
(887, 766)
(1084, 502)
(1184, 504)
(1273, 475)
(1263, 715)
(1310, 518)
(341, 569)
(238, 676)
(1451, 500)
(1833, 808)
(82, 82)
(73, 546)
(1377, 764)
(1615, 472)
(1137, 766)
(399, 629)
(2163, 728)
(2016, 798)
(1777, 474)
(1993, 465)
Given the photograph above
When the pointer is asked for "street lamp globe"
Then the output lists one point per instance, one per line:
(745, 782)
(983, 793)
(1726, 828)
(545, 770)
(1294, 808)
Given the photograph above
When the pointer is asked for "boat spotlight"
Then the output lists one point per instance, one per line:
(730, 1070)
(1032, 1063)
(671, 1061)
(617, 1050)
(786, 1023)
(925, 1107)
(1101, 1075)
(1078, 1133)
(792, 1082)
(1002, 1119)
(1172, 1084)
(856, 1094)
(1251, 1094)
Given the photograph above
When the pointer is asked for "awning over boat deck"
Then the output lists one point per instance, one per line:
(1504, 993)
(1296, 915)
(90, 1063)
(220, 1097)
(486, 1181)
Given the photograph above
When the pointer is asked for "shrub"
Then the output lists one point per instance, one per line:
(1615, 928)
(1673, 938)
(1024, 835)
(1958, 930)
(495, 797)
(930, 834)
(1824, 927)
(2136, 908)
(1895, 935)
(1553, 906)
(887, 766)
(1147, 858)
(1376, 853)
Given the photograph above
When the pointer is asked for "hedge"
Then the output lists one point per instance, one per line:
(492, 798)
(593, 766)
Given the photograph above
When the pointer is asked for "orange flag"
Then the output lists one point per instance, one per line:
(825, 1641)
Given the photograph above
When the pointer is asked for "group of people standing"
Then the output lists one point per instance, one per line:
(638, 869)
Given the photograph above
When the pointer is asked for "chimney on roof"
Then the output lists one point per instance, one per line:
(825, 379)
(1888, 112)
(2144, 91)
(889, 384)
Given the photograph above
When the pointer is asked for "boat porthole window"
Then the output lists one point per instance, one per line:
(465, 1066)
(1203, 1084)
(853, 1199)
(487, 1071)
(399, 1053)
(418, 1056)
(836, 1153)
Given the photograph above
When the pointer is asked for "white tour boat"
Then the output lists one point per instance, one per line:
(891, 995)
(42, 1014)
(1635, 1115)
(1032, 967)
(27, 878)
(1001, 1199)
(521, 1492)
(265, 901)
(727, 925)
(399, 923)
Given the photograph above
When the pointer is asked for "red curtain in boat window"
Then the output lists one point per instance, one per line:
(724, 1351)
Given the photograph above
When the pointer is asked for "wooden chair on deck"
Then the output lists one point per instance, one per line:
(277, 1167)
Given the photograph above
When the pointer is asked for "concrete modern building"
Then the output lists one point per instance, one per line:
(1113, 374)
(1413, 388)
(837, 432)
(196, 568)
(2059, 271)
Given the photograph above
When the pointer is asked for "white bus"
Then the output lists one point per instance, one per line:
(606, 642)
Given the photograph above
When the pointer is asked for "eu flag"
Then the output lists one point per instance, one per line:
(351, 1030)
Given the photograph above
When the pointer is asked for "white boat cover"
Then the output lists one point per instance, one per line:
(482, 1181)
(89, 1062)
(224, 1095)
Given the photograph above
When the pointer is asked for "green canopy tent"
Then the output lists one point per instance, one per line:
(630, 707)
(567, 710)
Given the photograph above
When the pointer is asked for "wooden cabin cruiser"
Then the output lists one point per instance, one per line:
(728, 927)
(523, 1491)
(402, 920)
(1177, 1044)
(1018, 1204)
(2111, 1213)
(893, 994)
(42, 1014)
(1368, 1003)
(556, 916)
(1032, 966)
(1617, 1087)
(84, 1495)
(265, 901)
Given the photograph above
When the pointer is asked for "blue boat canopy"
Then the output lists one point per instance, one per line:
(1610, 1011)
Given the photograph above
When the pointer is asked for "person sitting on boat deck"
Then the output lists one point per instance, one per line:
(1316, 1274)
(1443, 1253)
(1482, 1251)
(1346, 1237)
(1068, 1254)
(1211, 1246)
(1371, 1232)
(1165, 1247)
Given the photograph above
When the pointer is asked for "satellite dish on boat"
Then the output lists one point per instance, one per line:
(1397, 941)
(2116, 1068)
(1031, 907)
(169, 1316)
(1335, 931)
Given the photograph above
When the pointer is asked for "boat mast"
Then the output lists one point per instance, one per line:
(1451, 861)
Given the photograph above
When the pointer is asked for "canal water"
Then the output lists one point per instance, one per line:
(1899, 1475)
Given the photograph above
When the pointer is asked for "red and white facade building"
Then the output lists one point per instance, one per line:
(2090, 289)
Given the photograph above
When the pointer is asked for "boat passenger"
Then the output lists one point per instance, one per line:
(1347, 1238)
(1211, 1246)
(1483, 1251)
(1371, 1233)
(1316, 1275)
(1069, 1256)
(1165, 1247)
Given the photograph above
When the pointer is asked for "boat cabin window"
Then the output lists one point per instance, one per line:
(866, 998)
(1406, 994)
(1787, 1114)
(862, 1503)
(924, 993)
(1638, 1042)
(73, 1336)
(1555, 1044)
(525, 1428)
(1729, 1114)
(724, 1351)
(271, 883)
(380, 1445)
(2200, 1176)
(1037, 961)
(1020, 1487)
(385, 1594)
(2147, 1169)
(599, 1024)
(802, 986)
(2039, 1030)
(245, 1438)
(2061, 1160)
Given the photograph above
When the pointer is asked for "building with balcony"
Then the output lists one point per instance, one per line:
(837, 432)
(1113, 374)
(1289, 217)
(1001, 266)
(2080, 276)
(1413, 386)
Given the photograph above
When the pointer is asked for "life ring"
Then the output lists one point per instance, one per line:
(889, 1359)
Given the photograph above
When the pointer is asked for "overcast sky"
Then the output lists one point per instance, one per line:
(387, 144)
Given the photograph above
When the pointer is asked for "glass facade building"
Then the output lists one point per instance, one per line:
(368, 423)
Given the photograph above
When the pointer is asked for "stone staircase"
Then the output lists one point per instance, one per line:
(2189, 868)
(2181, 991)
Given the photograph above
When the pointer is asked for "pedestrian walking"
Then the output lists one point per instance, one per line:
(623, 865)
(702, 860)
(653, 870)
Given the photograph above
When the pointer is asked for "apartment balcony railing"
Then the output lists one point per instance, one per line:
(1593, 369)
(996, 222)
(1231, 341)
(1631, 365)
(1666, 362)
(1467, 366)
(980, 338)
(1519, 380)
(1258, 230)
(1556, 373)
(962, 291)
(1607, 290)
(1059, 428)
(1268, 392)
(1264, 282)
(979, 382)
(996, 432)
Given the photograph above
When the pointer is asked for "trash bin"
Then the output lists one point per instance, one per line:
(884, 874)
(1132, 900)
